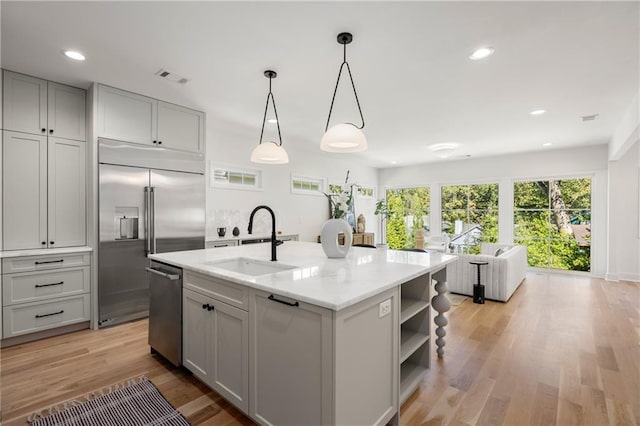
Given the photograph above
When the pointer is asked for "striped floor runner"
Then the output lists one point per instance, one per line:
(134, 403)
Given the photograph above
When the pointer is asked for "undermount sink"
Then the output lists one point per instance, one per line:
(252, 267)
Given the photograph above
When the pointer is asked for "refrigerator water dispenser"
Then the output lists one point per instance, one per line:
(126, 223)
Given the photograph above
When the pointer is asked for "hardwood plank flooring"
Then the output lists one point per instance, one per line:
(564, 350)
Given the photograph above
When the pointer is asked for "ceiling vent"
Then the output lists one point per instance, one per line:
(589, 117)
(171, 76)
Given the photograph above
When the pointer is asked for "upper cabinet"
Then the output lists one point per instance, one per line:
(131, 117)
(35, 106)
(126, 116)
(180, 128)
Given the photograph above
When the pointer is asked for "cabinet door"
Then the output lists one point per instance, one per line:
(230, 354)
(195, 334)
(180, 128)
(290, 361)
(24, 195)
(66, 111)
(66, 204)
(126, 116)
(25, 103)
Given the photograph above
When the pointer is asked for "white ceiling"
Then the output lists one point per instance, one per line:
(410, 62)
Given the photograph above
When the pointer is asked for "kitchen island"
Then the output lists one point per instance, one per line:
(307, 339)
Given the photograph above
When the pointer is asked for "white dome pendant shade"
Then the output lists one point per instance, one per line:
(270, 152)
(344, 137)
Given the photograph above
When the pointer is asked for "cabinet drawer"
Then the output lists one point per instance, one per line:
(234, 294)
(42, 285)
(31, 317)
(221, 243)
(49, 261)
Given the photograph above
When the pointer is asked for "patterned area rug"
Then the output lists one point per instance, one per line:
(136, 402)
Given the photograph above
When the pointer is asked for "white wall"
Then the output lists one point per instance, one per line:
(624, 212)
(295, 214)
(627, 132)
(583, 161)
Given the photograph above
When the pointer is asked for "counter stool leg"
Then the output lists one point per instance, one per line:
(441, 304)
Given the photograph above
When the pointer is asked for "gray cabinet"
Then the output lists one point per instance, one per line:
(24, 103)
(126, 116)
(24, 195)
(290, 361)
(135, 118)
(44, 192)
(215, 346)
(36, 106)
(180, 128)
(44, 292)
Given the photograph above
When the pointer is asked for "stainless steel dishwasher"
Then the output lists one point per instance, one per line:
(165, 311)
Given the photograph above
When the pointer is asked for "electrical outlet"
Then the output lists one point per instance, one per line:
(384, 308)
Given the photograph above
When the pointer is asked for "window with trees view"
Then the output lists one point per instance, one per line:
(553, 219)
(408, 212)
(470, 215)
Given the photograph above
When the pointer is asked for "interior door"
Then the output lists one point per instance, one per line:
(123, 284)
(179, 208)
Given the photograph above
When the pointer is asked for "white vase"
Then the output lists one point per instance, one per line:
(329, 238)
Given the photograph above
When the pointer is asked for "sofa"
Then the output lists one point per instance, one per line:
(501, 277)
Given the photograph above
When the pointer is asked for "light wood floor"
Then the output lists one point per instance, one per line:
(564, 350)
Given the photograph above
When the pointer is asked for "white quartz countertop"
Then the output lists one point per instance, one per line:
(42, 252)
(245, 236)
(331, 283)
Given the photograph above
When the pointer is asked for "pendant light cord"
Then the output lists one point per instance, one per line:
(344, 62)
(275, 111)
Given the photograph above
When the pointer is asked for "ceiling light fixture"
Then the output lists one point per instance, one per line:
(547, 144)
(538, 112)
(481, 53)
(344, 137)
(443, 150)
(272, 121)
(270, 152)
(73, 54)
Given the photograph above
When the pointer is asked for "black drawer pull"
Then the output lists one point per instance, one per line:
(49, 285)
(48, 315)
(50, 261)
(272, 297)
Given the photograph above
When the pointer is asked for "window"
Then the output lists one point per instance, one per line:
(553, 219)
(236, 178)
(470, 215)
(307, 185)
(408, 217)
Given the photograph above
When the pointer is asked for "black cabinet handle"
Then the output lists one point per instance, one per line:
(49, 261)
(210, 308)
(49, 285)
(44, 130)
(159, 142)
(272, 297)
(44, 243)
(51, 242)
(155, 141)
(48, 315)
(205, 306)
(50, 130)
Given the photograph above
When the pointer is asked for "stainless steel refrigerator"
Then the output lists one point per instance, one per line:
(151, 201)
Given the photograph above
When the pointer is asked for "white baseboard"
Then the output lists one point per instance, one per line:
(623, 277)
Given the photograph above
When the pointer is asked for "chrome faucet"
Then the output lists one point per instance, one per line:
(274, 241)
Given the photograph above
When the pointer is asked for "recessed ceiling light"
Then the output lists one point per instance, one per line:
(482, 53)
(272, 121)
(547, 144)
(74, 54)
(394, 162)
(538, 112)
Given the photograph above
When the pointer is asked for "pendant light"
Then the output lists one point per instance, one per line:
(270, 152)
(344, 137)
